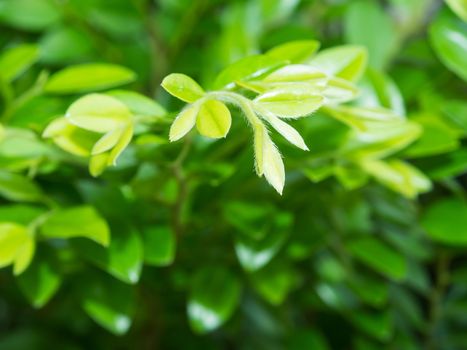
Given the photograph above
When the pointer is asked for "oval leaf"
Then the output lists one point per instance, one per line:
(182, 87)
(184, 122)
(88, 77)
(214, 119)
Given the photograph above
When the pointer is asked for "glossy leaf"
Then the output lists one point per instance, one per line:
(182, 87)
(448, 36)
(138, 103)
(88, 77)
(214, 296)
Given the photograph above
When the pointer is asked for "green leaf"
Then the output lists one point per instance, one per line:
(138, 104)
(289, 103)
(184, 122)
(16, 246)
(98, 113)
(81, 221)
(437, 137)
(254, 253)
(399, 176)
(379, 257)
(379, 324)
(367, 23)
(110, 304)
(294, 51)
(31, 15)
(19, 213)
(459, 7)
(287, 131)
(347, 62)
(214, 296)
(307, 339)
(448, 36)
(159, 246)
(39, 282)
(17, 60)
(182, 87)
(274, 283)
(213, 119)
(122, 258)
(445, 221)
(19, 188)
(456, 112)
(88, 77)
(248, 68)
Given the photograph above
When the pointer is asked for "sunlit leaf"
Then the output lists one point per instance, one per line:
(184, 122)
(294, 51)
(182, 87)
(15, 61)
(213, 119)
(88, 77)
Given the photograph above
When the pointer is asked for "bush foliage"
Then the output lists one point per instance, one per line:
(213, 174)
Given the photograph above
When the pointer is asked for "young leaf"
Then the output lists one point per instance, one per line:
(290, 103)
(347, 62)
(138, 104)
(248, 68)
(24, 255)
(184, 122)
(459, 7)
(107, 142)
(295, 73)
(81, 221)
(124, 141)
(182, 87)
(98, 113)
(15, 61)
(289, 133)
(98, 163)
(213, 119)
(294, 51)
(273, 167)
(88, 77)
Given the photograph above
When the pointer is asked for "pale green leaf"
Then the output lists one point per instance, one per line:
(124, 141)
(13, 237)
(98, 163)
(294, 51)
(107, 142)
(290, 103)
(347, 62)
(17, 60)
(138, 104)
(24, 255)
(182, 87)
(287, 131)
(213, 119)
(88, 77)
(459, 7)
(184, 122)
(98, 113)
(81, 221)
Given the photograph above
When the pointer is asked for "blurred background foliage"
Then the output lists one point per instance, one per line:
(193, 251)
